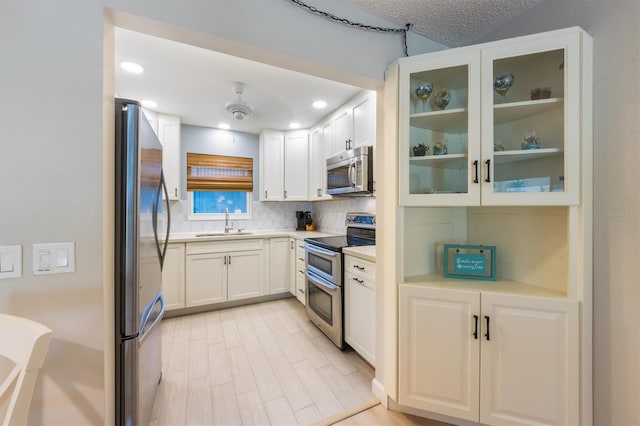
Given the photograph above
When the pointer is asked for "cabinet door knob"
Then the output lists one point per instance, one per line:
(475, 331)
(487, 333)
(475, 168)
(488, 178)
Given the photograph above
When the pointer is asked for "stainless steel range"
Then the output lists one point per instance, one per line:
(324, 292)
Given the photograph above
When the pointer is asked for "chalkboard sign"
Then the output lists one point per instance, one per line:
(472, 262)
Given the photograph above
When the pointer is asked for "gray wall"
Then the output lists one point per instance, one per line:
(615, 28)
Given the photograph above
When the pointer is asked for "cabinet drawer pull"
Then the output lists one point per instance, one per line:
(487, 333)
(265, 193)
(291, 243)
(358, 280)
(229, 260)
(285, 194)
(225, 260)
(361, 268)
(488, 163)
(302, 272)
(301, 258)
(301, 290)
(475, 331)
(475, 168)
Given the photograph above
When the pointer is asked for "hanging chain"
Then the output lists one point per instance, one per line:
(327, 15)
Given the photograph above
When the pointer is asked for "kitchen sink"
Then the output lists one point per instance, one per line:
(222, 234)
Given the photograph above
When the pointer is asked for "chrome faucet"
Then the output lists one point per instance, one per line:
(227, 228)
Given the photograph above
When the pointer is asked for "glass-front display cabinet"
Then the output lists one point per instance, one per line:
(493, 124)
(531, 121)
(439, 120)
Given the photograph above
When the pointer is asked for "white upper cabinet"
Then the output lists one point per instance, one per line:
(430, 175)
(271, 166)
(320, 147)
(354, 124)
(343, 125)
(169, 136)
(501, 126)
(296, 165)
(363, 112)
(284, 159)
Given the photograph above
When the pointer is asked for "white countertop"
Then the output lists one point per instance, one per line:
(363, 252)
(186, 237)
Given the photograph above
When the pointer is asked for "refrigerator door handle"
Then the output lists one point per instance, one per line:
(166, 236)
(157, 202)
(149, 322)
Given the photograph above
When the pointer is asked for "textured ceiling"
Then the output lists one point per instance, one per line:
(449, 22)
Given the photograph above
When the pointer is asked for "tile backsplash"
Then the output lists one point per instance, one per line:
(328, 215)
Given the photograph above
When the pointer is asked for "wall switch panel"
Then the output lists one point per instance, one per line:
(10, 262)
(54, 258)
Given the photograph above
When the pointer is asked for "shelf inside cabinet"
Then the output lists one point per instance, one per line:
(498, 286)
(512, 111)
(447, 161)
(446, 121)
(502, 157)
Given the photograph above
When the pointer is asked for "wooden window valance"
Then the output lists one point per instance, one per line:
(219, 173)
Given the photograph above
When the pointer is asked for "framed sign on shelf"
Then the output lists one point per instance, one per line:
(470, 262)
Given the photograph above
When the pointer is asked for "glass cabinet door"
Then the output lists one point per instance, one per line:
(439, 129)
(530, 104)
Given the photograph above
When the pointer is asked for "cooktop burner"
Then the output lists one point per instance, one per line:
(360, 232)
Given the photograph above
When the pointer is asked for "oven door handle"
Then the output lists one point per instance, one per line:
(322, 283)
(321, 251)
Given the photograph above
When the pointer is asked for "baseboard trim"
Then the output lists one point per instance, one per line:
(378, 391)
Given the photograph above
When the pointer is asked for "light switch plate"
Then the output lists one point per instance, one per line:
(54, 258)
(10, 262)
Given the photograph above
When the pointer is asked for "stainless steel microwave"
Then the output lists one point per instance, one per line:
(350, 173)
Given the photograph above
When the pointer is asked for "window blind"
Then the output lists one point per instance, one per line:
(219, 173)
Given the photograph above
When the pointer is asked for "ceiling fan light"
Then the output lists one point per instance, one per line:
(239, 109)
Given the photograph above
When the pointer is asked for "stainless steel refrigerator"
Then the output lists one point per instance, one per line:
(142, 231)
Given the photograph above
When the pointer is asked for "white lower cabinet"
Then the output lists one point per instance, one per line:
(500, 359)
(173, 277)
(206, 279)
(279, 271)
(360, 306)
(217, 272)
(301, 272)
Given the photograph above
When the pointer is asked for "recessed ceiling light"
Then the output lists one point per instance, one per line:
(224, 126)
(319, 104)
(132, 67)
(294, 125)
(148, 103)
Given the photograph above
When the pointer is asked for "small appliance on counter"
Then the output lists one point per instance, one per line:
(310, 225)
(300, 218)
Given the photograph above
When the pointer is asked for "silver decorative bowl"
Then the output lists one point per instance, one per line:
(442, 99)
(503, 83)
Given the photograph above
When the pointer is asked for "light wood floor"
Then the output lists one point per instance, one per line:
(259, 364)
(378, 415)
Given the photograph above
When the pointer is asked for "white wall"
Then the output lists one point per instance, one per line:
(56, 170)
(615, 28)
